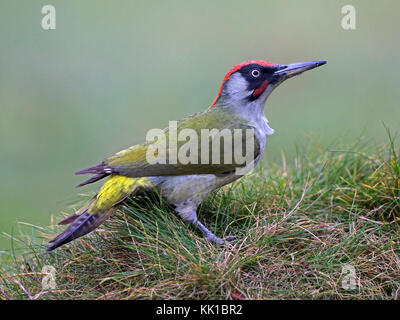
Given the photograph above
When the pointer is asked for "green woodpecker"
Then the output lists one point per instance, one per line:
(239, 105)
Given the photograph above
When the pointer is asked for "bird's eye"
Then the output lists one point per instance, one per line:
(255, 73)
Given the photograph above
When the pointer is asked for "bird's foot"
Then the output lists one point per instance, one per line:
(230, 238)
(213, 238)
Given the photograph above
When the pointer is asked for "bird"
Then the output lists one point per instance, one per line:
(239, 105)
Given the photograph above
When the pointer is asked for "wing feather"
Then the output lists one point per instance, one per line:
(133, 162)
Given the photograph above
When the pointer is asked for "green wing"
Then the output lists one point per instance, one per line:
(201, 155)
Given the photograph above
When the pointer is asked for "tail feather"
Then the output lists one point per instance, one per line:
(67, 235)
(95, 178)
(115, 190)
(69, 219)
(82, 225)
(98, 168)
(100, 171)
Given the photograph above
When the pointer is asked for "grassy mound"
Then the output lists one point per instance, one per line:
(298, 224)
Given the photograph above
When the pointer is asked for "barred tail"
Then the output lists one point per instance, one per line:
(81, 225)
(115, 190)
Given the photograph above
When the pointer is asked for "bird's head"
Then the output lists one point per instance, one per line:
(253, 81)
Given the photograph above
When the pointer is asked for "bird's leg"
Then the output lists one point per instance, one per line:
(190, 216)
(211, 236)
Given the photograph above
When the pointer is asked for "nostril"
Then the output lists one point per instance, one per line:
(279, 67)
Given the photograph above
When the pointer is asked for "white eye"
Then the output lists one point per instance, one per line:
(255, 73)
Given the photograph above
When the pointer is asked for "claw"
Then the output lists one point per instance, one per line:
(230, 238)
(212, 238)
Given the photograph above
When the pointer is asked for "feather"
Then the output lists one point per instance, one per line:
(81, 226)
(98, 168)
(94, 178)
(98, 209)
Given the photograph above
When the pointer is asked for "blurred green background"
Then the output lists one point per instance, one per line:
(114, 69)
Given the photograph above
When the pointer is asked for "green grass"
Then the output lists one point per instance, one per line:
(297, 224)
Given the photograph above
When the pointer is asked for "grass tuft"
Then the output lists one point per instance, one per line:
(298, 224)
